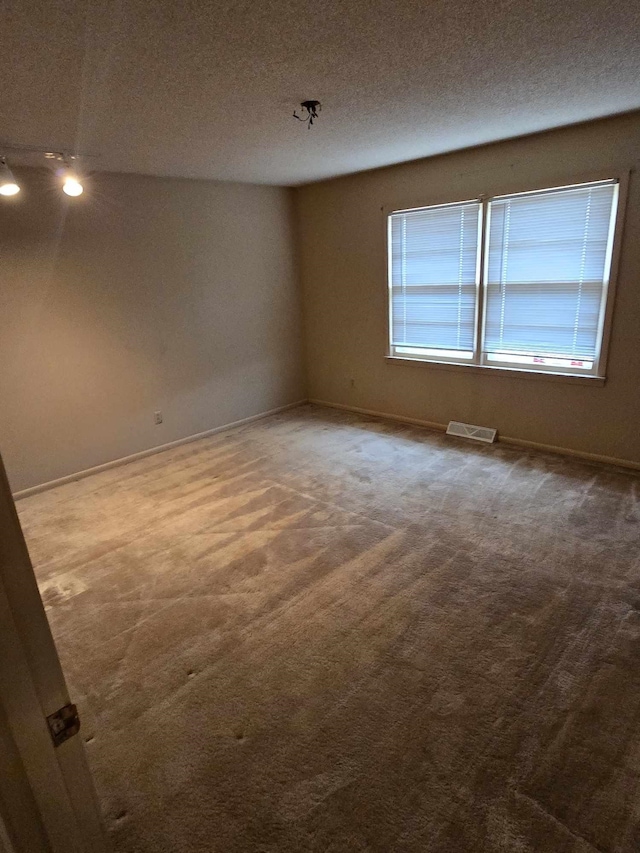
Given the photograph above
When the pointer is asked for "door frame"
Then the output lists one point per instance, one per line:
(47, 796)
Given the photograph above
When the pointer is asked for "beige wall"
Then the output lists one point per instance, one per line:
(342, 251)
(150, 293)
(144, 294)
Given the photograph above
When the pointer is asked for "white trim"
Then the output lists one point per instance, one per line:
(502, 182)
(559, 189)
(124, 460)
(60, 814)
(432, 206)
(505, 372)
(616, 237)
(478, 334)
(515, 442)
(567, 451)
(386, 415)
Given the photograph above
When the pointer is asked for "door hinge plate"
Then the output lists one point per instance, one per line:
(64, 724)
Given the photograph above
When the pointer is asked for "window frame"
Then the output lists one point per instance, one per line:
(597, 374)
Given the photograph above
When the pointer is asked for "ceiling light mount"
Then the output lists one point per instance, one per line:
(310, 110)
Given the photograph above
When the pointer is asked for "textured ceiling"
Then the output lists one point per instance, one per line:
(197, 89)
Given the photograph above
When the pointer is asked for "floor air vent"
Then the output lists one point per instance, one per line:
(478, 433)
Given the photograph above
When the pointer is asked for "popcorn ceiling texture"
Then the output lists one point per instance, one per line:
(324, 632)
(207, 90)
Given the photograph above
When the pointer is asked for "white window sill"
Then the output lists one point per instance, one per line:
(507, 372)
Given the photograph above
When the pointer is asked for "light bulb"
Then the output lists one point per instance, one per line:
(9, 188)
(8, 185)
(72, 186)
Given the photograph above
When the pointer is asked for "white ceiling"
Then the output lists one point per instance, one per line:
(207, 89)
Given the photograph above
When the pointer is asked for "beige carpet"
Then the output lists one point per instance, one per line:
(327, 633)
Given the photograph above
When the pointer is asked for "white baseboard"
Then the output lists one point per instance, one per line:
(386, 415)
(115, 463)
(568, 451)
(504, 439)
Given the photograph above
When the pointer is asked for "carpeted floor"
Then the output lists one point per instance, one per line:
(323, 632)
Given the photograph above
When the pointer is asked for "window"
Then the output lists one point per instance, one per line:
(516, 281)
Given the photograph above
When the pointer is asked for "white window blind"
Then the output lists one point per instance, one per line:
(538, 303)
(433, 279)
(548, 256)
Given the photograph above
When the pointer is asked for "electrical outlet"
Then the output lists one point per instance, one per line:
(157, 417)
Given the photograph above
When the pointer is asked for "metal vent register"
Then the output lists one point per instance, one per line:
(477, 433)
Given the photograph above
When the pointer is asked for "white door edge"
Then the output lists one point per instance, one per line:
(32, 686)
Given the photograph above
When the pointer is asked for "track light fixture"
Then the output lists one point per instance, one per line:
(310, 110)
(69, 176)
(71, 184)
(8, 185)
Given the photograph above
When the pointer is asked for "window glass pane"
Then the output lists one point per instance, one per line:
(433, 277)
(547, 259)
